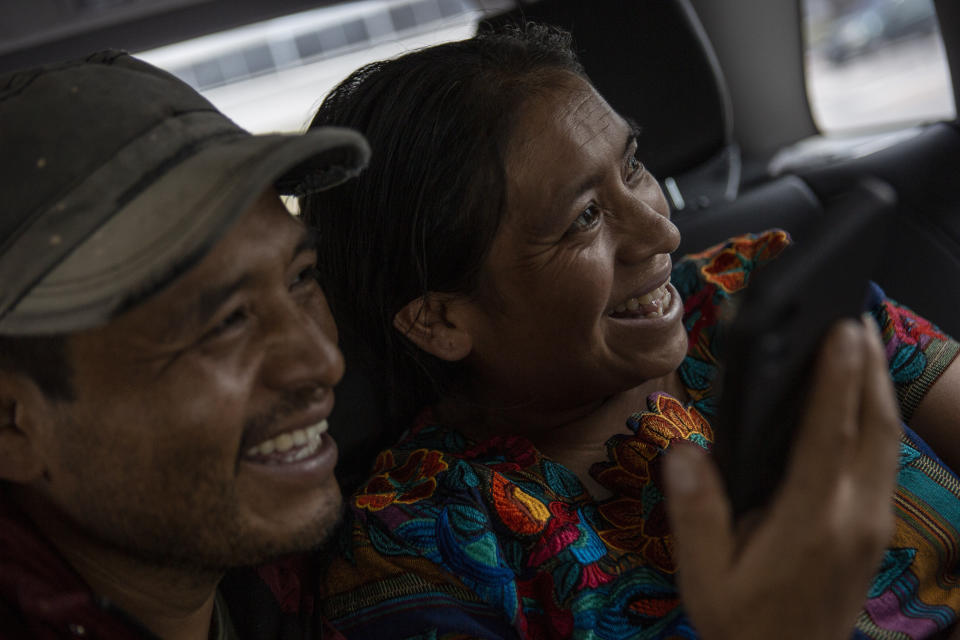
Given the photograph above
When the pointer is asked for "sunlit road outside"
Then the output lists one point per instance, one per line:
(904, 82)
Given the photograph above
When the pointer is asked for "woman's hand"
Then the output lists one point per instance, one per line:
(804, 567)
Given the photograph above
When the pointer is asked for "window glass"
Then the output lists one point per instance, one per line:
(875, 64)
(270, 76)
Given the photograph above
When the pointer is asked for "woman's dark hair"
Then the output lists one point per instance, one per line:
(423, 215)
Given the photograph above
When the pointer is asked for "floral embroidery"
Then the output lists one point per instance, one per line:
(730, 267)
(492, 536)
(519, 510)
(668, 420)
(906, 327)
(708, 283)
(411, 482)
(637, 516)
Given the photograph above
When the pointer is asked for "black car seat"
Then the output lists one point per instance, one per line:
(921, 264)
(921, 267)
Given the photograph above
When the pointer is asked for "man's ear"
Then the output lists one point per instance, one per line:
(427, 322)
(23, 410)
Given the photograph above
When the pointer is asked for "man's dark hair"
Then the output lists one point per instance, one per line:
(423, 215)
(44, 359)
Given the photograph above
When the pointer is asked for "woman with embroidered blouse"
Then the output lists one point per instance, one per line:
(506, 256)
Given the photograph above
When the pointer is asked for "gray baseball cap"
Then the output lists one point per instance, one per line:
(116, 175)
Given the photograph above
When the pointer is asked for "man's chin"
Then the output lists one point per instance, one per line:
(245, 547)
(271, 545)
(316, 539)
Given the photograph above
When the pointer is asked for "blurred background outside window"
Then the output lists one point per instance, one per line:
(871, 65)
(875, 64)
(272, 75)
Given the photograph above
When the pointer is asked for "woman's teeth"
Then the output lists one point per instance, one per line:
(290, 446)
(652, 304)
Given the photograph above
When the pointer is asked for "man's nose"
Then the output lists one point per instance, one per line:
(301, 350)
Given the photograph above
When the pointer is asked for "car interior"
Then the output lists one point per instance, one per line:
(719, 89)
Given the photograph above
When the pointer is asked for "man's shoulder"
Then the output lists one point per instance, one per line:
(12, 624)
(275, 600)
(41, 595)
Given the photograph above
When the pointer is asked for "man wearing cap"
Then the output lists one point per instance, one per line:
(167, 359)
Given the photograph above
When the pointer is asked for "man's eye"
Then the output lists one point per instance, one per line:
(587, 219)
(234, 320)
(634, 165)
(306, 277)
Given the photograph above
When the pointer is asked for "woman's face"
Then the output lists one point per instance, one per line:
(575, 302)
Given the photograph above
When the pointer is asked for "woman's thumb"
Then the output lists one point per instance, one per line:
(700, 519)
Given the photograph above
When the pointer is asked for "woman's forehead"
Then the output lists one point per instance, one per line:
(562, 135)
(563, 107)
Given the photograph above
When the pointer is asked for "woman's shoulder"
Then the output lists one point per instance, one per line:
(708, 282)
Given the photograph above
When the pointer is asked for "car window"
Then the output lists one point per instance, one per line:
(873, 64)
(271, 76)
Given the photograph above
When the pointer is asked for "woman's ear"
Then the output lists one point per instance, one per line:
(427, 322)
(22, 410)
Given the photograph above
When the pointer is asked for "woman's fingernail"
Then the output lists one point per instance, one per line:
(682, 470)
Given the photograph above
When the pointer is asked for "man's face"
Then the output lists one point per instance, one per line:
(196, 436)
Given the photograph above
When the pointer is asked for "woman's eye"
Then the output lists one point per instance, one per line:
(634, 165)
(587, 219)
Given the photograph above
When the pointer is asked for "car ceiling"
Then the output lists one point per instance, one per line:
(757, 42)
(40, 31)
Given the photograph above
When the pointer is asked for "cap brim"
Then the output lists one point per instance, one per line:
(176, 220)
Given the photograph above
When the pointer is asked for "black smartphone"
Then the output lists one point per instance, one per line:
(772, 341)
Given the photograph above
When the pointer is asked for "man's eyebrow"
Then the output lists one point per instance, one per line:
(208, 301)
(307, 242)
(202, 307)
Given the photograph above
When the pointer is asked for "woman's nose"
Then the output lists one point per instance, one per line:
(645, 228)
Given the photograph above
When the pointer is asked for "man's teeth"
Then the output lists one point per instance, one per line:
(659, 297)
(302, 442)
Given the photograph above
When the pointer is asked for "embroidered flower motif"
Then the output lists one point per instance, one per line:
(520, 511)
(411, 482)
(592, 576)
(561, 532)
(668, 420)
(640, 528)
(730, 267)
(637, 516)
(699, 313)
(908, 328)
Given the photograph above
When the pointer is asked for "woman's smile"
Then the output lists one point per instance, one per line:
(650, 298)
(654, 305)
